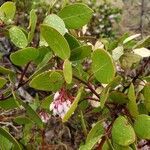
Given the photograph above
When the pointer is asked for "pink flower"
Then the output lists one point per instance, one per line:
(44, 116)
(61, 103)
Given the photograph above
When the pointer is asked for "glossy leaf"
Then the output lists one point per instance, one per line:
(7, 135)
(32, 24)
(103, 66)
(122, 132)
(73, 106)
(55, 22)
(132, 105)
(142, 126)
(8, 9)
(18, 37)
(76, 15)
(3, 81)
(67, 71)
(56, 41)
(47, 81)
(23, 56)
(146, 93)
(80, 53)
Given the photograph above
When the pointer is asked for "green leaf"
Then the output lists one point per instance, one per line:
(76, 15)
(130, 38)
(73, 106)
(45, 103)
(7, 135)
(42, 53)
(18, 37)
(129, 60)
(122, 132)
(55, 22)
(5, 144)
(67, 71)
(56, 41)
(9, 103)
(3, 81)
(132, 106)
(146, 93)
(143, 43)
(103, 66)
(4, 70)
(8, 9)
(48, 81)
(32, 114)
(72, 41)
(142, 126)
(116, 81)
(80, 53)
(32, 25)
(119, 147)
(104, 96)
(23, 56)
(118, 97)
(93, 137)
(96, 131)
(21, 120)
(45, 60)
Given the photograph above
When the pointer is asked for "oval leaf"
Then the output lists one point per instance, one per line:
(47, 81)
(103, 66)
(67, 70)
(72, 41)
(80, 53)
(56, 41)
(76, 15)
(18, 37)
(22, 57)
(142, 126)
(8, 9)
(55, 22)
(122, 132)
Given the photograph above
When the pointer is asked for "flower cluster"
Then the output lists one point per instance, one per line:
(61, 103)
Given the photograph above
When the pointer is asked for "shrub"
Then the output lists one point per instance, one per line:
(98, 88)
